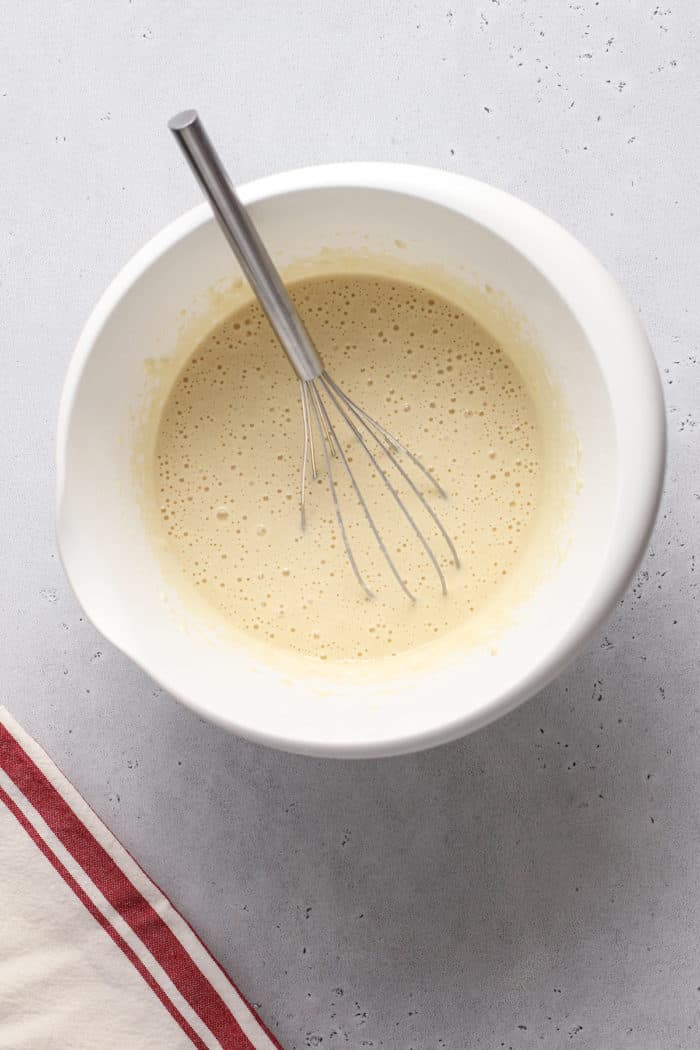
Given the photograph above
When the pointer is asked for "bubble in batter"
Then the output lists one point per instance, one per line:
(228, 457)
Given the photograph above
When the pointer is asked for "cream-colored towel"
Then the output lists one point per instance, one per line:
(92, 955)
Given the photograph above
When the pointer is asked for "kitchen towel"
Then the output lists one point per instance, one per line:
(92, 954)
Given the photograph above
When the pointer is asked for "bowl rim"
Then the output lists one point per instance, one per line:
(643, 455)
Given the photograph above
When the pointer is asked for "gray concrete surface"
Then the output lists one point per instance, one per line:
(536, 884)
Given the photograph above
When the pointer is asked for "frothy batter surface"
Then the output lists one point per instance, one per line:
(228, 459)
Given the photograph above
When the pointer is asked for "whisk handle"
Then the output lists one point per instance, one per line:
(245, 240)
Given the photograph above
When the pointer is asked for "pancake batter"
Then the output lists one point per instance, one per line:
(228, 457)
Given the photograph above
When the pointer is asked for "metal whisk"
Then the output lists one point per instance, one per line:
(320, 394)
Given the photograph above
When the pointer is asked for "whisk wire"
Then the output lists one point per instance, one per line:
(308, 444)
(389, 438)
(392, 489)
(388, 445)
(361, 500)
(315, 402)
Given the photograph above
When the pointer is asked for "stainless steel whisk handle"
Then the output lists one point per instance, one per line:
(250, 251)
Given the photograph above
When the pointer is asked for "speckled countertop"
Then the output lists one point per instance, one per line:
(536, 884)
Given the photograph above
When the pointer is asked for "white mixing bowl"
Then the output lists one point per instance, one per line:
(594, 350)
